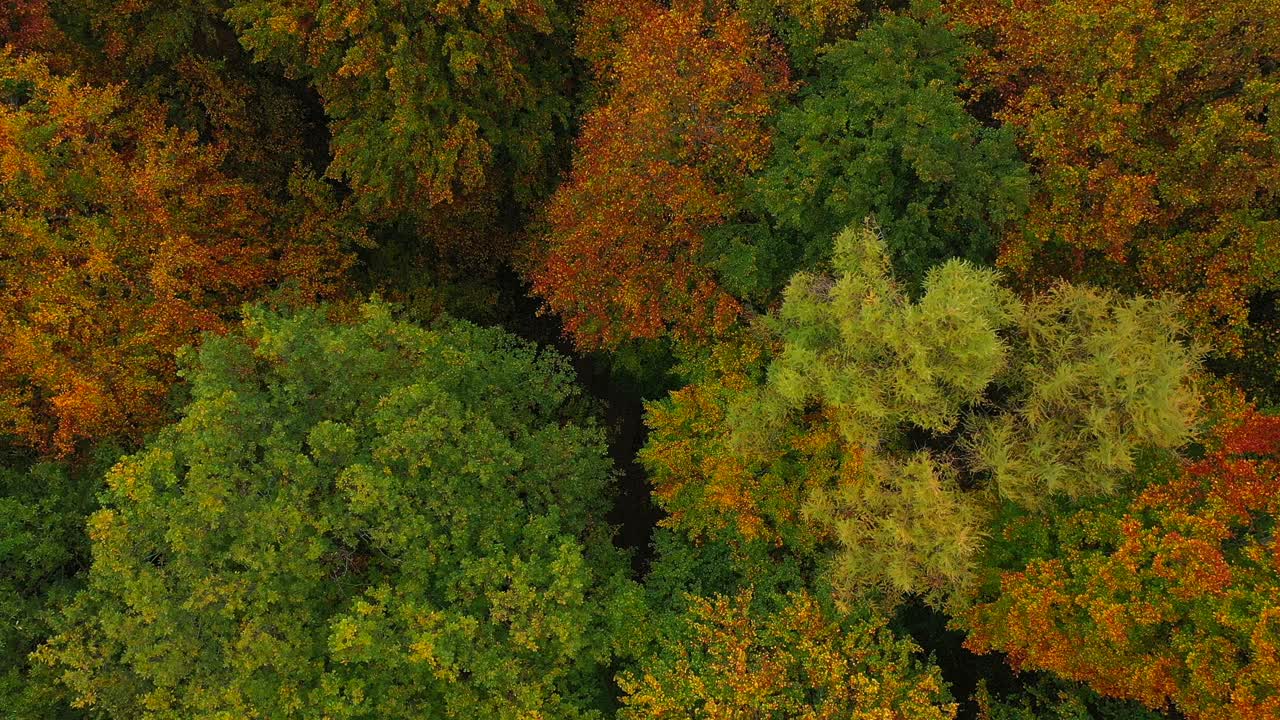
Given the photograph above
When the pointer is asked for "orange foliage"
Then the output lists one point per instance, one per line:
(1173, 598)
(657, 165)
(122, 243)
(1148, 123)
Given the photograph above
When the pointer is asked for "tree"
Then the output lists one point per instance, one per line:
(426, 102)
(43, 550)
(28, 25)
(1154, 149)
(1166, 594)
(123, 242)
(875, 433)
(881, 130)
(184, 57)
(655, 166)
(728, 659)
(363, 520)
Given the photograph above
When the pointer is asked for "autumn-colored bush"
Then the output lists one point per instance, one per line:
(1152, 129)
(1169, 595)
(656, 165)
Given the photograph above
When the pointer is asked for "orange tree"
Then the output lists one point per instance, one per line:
(122, 242)
(657, 164)
(1169, 595)
(1157, 156)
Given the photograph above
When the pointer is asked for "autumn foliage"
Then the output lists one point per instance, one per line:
(654, 167)
(1152, 127)
(853, 359)
(124, 243)
(734, 661)
(863, 427)
(1169, 597)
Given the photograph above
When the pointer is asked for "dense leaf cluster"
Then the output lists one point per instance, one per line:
(588, 359)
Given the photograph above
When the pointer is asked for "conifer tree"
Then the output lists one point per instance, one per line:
(880, 432)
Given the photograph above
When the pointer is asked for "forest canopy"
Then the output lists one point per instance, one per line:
(629, 359)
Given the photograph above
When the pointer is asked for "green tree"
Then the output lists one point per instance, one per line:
(43, 550)
(356, 521)
(881, 130)
(427, 102)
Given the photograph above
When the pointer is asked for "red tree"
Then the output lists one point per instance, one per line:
(657, 165)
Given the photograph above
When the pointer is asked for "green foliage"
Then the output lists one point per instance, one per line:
(875, 359)
(364, 520)
(43, 548)
(1097, 378)
(426, 101)
(881, 130)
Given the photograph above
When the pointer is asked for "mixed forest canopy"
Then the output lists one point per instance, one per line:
(640, 359)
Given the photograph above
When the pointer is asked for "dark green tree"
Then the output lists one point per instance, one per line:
(881, 130)
(43, 552)
(428, 103)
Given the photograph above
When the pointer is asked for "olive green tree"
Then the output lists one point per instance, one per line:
(363, 520)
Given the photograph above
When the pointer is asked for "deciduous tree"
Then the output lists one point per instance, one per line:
(364, 520)
(727, 659)
(881, 130)
(1166, 595)
(123, 242)
(43, 549)
(655, 166)
(1152, 129)
(426, 101)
